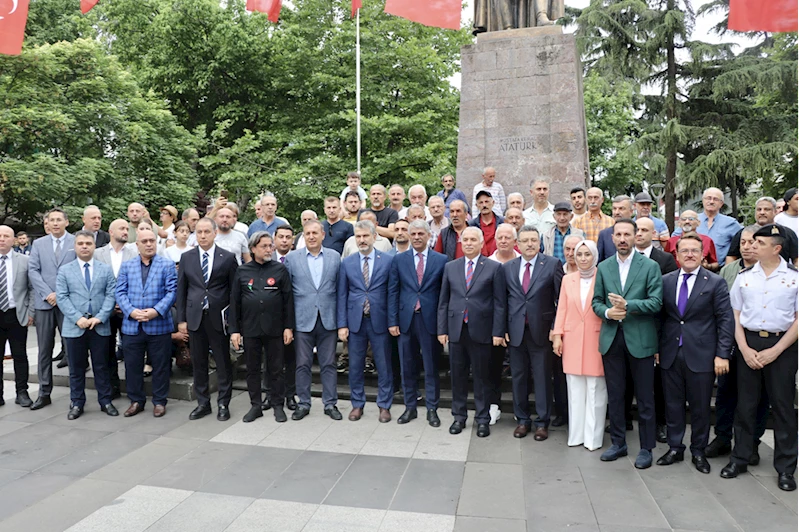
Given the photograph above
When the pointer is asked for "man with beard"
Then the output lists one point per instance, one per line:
(689, 222)
(229, 239)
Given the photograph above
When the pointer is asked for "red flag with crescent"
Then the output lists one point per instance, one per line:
(13, 16)
(270, 7)
(437, 13)
(757, 15)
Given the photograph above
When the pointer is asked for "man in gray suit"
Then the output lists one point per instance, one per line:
(49, 253)
(114, 254)
(314, 274)
(16, 313)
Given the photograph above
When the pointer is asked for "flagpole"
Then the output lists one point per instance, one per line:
(358, 86)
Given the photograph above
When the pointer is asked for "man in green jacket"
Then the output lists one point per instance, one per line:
(628, 294)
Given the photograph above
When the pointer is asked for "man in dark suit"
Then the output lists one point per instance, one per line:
(362, 316)
(48, 255)
(413, 290)
(628, 294)
(471, 317)
(695, 344)
(283, 243)
(205, 275)
(532, 289)
(92, 222)
(622, 208)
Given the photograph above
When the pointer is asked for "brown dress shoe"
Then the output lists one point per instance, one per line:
(133, 409)
(521, 431)
(159, 410)
(355, 414)
(385, 415)
(541, 434)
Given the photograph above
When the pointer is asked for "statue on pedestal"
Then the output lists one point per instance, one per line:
(498, 15)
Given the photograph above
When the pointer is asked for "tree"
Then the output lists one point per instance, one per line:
(76, 128)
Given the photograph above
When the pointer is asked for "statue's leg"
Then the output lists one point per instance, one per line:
(541, 18)
(480, 16)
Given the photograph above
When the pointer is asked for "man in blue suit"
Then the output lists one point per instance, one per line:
(413, 289)
(146, 291)
(362, 317)
(622, 209)
(85, 295)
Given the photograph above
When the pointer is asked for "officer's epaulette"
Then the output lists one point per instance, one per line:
(791, 266)
(746, 269)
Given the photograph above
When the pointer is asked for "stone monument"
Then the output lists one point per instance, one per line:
(522, 111)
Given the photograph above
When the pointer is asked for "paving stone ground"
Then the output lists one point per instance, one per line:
(171, 474)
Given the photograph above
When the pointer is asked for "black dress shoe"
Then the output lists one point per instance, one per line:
(786, 482)
(59, 356)
(628, 425)
(661, 435)
(333, 413)
(280, 414)
(671, 457)
(732, 470)
(222, 413)
(41, 402)
(558, 421)
(457, 427)
(62, 363)
(291, 403)
(2, 401)
(254, 413)
(23, 399)
(110, 409)
(200, 412)
(300, 413)
(754, 458)
(717, 448)
(701, 464)
(407, 416)
(432, 418)
(267, 404)
(483, 430)
(74, 413)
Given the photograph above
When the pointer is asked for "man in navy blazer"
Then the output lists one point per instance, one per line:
(696, 339)
(85, 294)
(413, 289)
(532, 290)
(145, 294)
(362, 317)
(471, 317)
(622, 209)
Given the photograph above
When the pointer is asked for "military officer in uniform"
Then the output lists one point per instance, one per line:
(764, 300)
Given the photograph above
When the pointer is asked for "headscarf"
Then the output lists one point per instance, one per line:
(589, 273)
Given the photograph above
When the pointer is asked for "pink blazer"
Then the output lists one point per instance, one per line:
(580, 329)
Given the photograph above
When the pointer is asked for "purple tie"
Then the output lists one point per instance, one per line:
(526, 278)
(682, 298)
(469, 273)
(282, 260)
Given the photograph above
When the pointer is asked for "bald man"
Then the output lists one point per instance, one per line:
(689, 222)
(136, 212)
(719, 227)
(92, 222)
(594, 221)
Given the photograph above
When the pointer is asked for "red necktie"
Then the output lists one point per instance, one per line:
(526, 278)
(469, 272)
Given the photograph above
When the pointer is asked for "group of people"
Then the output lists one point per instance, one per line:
(590, 311)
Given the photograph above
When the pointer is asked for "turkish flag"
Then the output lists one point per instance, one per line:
(757, 15)
(437, 13)
(13, 16)
(87, 5)
(270, 7)
(356, 5)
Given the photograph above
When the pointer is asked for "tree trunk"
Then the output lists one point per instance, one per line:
(671, 114)
(734, 196)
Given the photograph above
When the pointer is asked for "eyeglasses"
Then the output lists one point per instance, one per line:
(691, 219)
(690, 251)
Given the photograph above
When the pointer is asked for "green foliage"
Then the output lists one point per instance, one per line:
(51, 21)
(76, 129)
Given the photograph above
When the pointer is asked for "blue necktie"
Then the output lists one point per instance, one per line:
(88, 278)
(682, 298)
(205, 277)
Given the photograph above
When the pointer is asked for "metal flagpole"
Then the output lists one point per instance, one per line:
(358, 85)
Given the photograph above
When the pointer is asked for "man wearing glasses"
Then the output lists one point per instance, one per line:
(719, 227)
(689, 222)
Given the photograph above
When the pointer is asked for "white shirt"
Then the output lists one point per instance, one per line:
(786, 220)
(645, 252)
(83, 264)
(496, 259)
(416, 259)
(466, 261)
(585, 289)
(691, 281)
(278, 256)
(210, 259)
(116, 258)
(10, 281)
(232, 241)
(523, 266)
(62, 238)
(300, 242)
(766, 304)
(624, 268)
(544, 221)
(173, 253)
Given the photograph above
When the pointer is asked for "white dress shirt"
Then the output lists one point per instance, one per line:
(645, 252)
(83, 264)
(416, 259)
(10, 281)
(624, 268)
(691, 281)
(522, 267)
(116, 259)
(62, 238)
(210, 252)
(466, 261)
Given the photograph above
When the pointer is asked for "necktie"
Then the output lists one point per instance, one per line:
(366, 306)
(88, 277)
(205, 277)
(282, 260)
(58, 250)
(642, 253)
(469, 273)
(419, 276)
(526, 278)
(3, 284)
(682, 298)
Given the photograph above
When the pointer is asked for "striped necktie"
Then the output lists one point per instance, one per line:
(366, 306)
(469, 273)
(205, 277)
(3, 284)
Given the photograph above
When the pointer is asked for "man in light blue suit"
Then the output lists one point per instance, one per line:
(363, 317)
(85, 294)
(49, 253)
(413, 289)
(314, 276)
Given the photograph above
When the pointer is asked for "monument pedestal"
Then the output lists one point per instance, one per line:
(522, 111)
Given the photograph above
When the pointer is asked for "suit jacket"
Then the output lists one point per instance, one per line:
(311, 301)
(21, 287)
(104, 254)
(665, 260)
(352, 292)
(580, 328)
(538, 304)
(73, 297)
(43, 268)
(605, 245)
(484, 299)
(707, 327)
(158, 293)
(404, 290)
(192, 288)
(643, 292)
(102, 238)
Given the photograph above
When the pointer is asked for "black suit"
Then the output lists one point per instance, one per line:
(706, 328)
(530, 318)
(471, 317)
(205, 325)
(665, 260)
(102, 238)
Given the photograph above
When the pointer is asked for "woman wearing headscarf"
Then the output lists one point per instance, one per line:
(575, 338)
